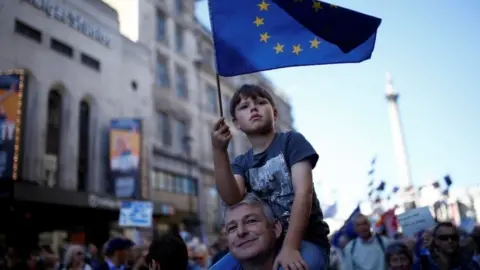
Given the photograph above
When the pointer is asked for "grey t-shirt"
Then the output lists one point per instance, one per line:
(268, 175)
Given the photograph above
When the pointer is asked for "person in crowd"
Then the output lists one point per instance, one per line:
(192, 247)
(48, 257)
(92, 256)
(222, 247)
(337, 252)
(168, 252)
(444, 251)
(278, 168)
(117, 252)
(398, 256)
(200, 255)
(366, 252)
(253, 235)
(74, 259)
(468, 247)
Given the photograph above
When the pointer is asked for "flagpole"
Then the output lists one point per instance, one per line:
(219, 94)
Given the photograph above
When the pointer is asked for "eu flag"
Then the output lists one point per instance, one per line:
(258, 35)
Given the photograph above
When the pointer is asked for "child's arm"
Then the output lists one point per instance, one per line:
(231, 188)
(302, 204)
(302, 158)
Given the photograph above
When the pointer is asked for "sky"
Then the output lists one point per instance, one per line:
(430, 48)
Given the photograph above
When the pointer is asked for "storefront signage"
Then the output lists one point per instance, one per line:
(95, 201)
(72, 19)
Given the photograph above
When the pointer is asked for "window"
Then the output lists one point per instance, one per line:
(28, 31)
(90, 62)
(178, 6)
(179, 186)
(61, 48)
(54, 120)
(181, 87)
(179, 42)
(83, 144)
(212, 103)
(165, 129)
(162, 72)
(174, 183)
(161, 27)
(183, 136)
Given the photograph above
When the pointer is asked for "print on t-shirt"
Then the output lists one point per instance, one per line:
(273, 183)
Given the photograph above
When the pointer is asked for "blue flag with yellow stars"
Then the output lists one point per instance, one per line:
(258, 35)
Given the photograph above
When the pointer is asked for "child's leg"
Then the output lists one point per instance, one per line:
(228, 262)
(315, 256)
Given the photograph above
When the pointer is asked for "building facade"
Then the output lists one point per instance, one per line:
(185, 103)
(82, 73)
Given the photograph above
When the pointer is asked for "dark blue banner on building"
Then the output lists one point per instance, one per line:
(11, 101)
(125, 157)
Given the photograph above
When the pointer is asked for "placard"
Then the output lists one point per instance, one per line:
(416, 220)
(136, 214)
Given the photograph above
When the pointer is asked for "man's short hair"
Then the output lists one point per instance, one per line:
(169, 252)
(249, 91)
(251, 200)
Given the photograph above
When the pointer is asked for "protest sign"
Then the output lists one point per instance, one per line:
(416, 220)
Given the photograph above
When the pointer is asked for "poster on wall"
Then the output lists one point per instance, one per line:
(11, 100)
(125, 157)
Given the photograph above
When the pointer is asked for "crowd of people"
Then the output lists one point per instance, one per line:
(442, 247)
(272, 216)
(170, 249)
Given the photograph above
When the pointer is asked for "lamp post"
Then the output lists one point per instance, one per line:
(187, 142)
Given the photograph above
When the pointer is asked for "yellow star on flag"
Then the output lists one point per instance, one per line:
(316, 6)
(264, 37)
(297, 49)
(258, 21)
(278, 48)
(263, 6)
(314, 43)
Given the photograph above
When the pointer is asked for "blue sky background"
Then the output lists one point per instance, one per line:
(432, 50)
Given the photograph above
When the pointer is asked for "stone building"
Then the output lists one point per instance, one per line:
(81, 74)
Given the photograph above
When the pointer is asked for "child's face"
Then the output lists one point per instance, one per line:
(254, 115)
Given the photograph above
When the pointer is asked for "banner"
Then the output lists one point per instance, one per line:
(125, 157)
(11, 100)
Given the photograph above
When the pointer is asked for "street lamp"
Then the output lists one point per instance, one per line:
(191, 220)
(187, 144)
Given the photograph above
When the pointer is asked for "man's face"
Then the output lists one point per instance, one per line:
(447, 239)
(362, 226)
(92, 249)
(249, 234)
(254, 115)
(122, 144)
(399, 262)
